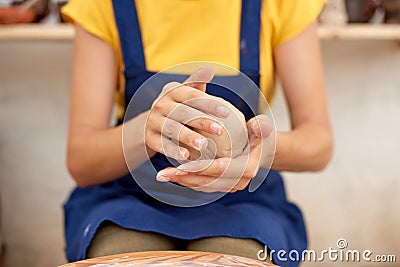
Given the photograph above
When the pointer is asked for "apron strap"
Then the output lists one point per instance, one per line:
(129, 34)
(250, 37)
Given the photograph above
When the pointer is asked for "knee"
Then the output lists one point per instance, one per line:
(111, 239)
(244, 247)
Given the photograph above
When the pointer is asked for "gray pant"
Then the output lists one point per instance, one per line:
(111, 239)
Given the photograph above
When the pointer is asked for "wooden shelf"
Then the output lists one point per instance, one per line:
(64, 32)
(360, 32)
(36, 32)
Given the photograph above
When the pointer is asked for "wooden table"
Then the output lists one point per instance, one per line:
(168, 258)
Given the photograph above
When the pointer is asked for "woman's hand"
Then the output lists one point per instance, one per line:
(178, 110)
(225, 174)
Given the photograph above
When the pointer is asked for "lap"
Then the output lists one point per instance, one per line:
(111, 239)
(245, 247)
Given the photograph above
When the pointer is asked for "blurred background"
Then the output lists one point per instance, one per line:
(356, 198)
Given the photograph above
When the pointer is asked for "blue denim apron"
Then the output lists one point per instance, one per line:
(264, 214)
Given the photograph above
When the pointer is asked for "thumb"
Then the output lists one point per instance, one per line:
(260, 126)
(200, 78)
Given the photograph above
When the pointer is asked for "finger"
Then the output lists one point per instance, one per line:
(174, 130)
(213, 168)
(235, 168)
(210, 105)
(262, 140)
(254, 160)
(208, 183)
(172, 150)
(174, 175)
(192, 180)
(195, 119)
(242, 184)
(207, 125)
(197, 166)
(260, 126)
(167, 147)
(204, 183)
(227, 168)
(200, 78)
(195, 98)
(166, 174)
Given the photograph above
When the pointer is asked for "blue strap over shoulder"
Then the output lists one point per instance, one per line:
(250, 37)
(129, 32)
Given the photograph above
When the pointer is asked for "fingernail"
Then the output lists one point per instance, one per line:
(223, 111)
(183, 152)
(201, 143)
(167, 172)
(216, 128)
(161, 178)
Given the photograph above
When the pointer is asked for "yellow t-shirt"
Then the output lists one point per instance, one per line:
(173, 31)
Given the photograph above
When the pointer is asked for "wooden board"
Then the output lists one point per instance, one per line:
(169, 258)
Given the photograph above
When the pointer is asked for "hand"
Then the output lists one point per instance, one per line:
(224, 174)
(179, 106)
